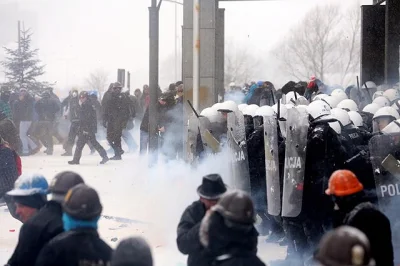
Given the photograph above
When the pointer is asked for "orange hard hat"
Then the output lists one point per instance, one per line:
(343, 183)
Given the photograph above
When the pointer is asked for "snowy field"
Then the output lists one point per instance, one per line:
(150, 201)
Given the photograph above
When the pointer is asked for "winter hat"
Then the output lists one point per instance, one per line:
(344, 246)
(82, 203)
(63, 182)
(36, 201)
(212, 187)
(133, 251)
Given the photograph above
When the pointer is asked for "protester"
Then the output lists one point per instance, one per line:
(345, 246)
(87, 129)
(8, 174)
(227, 232)
(353, 209)
(211, 189)
(80, 244)
(23, 117)
(29, 195)
(9, 133)
(133, 251)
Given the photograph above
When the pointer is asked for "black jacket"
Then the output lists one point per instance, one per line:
(47, 109)
(35, 234)
(87, 117)
(117, 109)
(8, 169)
(23, 110)
(72, 105)
(188, 235)
(257, 168)
(324, 155)
(10, 134)
(75, 248)
(232, 246)
(376, 226)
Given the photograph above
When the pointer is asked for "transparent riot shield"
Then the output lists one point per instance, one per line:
(238, 146)
(193, 131)
(385, 155)
(295, 161)
(272, 165)
(209, 141)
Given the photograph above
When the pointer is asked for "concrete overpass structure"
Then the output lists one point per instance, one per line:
(380, 41)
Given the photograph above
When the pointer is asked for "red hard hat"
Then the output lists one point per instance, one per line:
(343, 183)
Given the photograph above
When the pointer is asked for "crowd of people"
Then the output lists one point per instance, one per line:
(30, 120)
(286, 144)
(315, 167)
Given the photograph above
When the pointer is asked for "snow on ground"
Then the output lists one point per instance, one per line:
(154, 198)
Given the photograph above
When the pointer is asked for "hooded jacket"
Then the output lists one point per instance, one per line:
(234, 245)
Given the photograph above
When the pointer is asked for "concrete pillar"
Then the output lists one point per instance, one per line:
(211, 53)
(392, 41)
(373, 44)
(220, 53)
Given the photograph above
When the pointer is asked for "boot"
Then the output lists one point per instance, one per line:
(105, 159)
(116, 158)
(67, 153)
(73, 162)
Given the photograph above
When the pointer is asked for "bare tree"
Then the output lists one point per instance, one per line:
(240, 65)
(324, 43)
(350, 47)
(98, 81)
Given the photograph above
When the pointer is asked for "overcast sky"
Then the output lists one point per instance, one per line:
(76, 37)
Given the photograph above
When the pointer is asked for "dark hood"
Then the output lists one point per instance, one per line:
(229, 238)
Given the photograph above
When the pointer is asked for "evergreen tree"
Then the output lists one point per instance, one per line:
(21, 65)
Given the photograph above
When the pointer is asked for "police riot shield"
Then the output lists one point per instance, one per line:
(210, 143)
(193, 131)
(238, 147)
(385, 155)
(295, 161)
(272, 165)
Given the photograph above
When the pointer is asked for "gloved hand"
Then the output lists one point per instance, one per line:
(85, 133)
(105, 124)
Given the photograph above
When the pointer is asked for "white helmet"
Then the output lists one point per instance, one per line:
(371, 108)
(392, 94)
(387, 111)
(331, 101)
(320, 96)
(370, 85)
(212, 114)
(336, 127)
(205, 111)
(228, 106)
(265, 111)
(339, 94)
(283, 111)
(356, 118)
(348, 104)
(242, 106)
(232, 84)
(342, 116)
(291, 96)
(251, 110)
(217, 106)
(393, 127)
(301, 100)
(377, 94)
(381, 101)
(318, 109)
